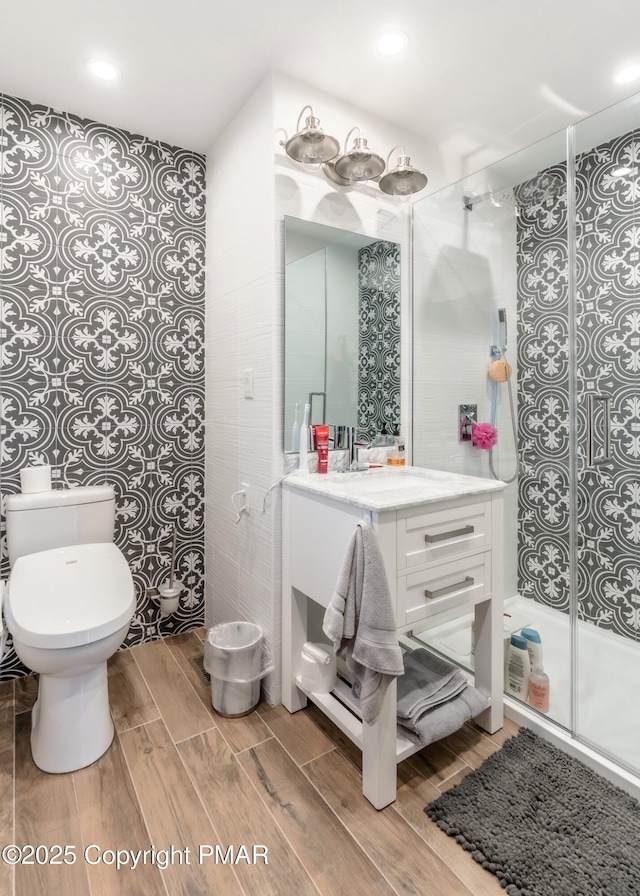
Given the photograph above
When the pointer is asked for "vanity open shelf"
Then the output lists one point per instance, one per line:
(441, 538)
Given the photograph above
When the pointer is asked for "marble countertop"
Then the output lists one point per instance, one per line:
(392, 488)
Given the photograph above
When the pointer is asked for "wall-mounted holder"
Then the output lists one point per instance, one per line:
(169, 597)
(467, 416)
(170, 591)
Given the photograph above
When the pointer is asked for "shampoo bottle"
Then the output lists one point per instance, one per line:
(304, 441)
(518, 668)
(534, 646)
(538, 691)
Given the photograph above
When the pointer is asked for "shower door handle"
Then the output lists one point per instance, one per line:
(592, 460)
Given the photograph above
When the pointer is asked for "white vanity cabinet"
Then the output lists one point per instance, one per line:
(441, 537)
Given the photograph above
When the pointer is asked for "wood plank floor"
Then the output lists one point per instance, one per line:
(180, 782)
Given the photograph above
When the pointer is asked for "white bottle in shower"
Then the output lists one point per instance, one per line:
(518, 668)
(534, 646)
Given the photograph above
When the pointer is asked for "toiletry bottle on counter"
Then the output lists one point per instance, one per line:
(397, 456)
(322, 447)
(518, 668)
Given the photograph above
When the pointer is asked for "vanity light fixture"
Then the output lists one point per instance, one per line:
(404, 179)
(310, 146)
(104, 70)
(355, 165)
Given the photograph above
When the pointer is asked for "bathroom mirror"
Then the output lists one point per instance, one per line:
(342, 328)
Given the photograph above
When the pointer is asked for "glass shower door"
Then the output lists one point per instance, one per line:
(607, 367)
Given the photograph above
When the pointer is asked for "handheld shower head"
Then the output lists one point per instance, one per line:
(502, 328)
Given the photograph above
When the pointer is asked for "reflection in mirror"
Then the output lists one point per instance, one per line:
(342, 329)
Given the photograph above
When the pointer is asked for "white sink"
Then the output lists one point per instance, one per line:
(391, 488)
(385, 480)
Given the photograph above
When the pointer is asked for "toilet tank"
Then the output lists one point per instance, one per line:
(58, 518)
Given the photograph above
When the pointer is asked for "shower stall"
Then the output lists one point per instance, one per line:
(549, 240)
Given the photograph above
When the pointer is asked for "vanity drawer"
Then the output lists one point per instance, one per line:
(437, 534)
(443, 587)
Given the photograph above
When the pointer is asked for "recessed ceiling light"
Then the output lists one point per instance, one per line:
(627, 74)
(392, 42)
(104, 70)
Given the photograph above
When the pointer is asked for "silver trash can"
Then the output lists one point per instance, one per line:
(236, 657)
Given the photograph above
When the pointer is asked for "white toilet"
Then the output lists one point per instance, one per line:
(68, 605)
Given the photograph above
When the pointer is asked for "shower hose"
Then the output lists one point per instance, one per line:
(494, 406)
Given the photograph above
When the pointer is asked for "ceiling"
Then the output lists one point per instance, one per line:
(479, 79)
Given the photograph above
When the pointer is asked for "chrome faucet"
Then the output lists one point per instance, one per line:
(345, 437)
(355, 463)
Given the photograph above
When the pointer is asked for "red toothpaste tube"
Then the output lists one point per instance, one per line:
(322, 445)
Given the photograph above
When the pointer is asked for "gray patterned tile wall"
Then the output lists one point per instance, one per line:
(378, 337)
(608, 363)
(102, 242)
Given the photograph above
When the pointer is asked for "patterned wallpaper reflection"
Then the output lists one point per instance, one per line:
(608, 363)
(102, 239)
(379, 337)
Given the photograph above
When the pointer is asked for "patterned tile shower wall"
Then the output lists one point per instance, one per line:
(608, 362)
(102, 239)
(378, 337)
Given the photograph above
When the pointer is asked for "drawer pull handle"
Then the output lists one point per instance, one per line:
(448, 589)
(454, 533)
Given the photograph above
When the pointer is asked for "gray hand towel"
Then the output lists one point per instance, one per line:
(361, 617)
(445, 719)
(427, 681)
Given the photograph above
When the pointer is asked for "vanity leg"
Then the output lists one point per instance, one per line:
(489, 663)
(294, 635)
(379, 756)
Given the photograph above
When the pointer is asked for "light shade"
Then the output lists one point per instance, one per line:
(403, 179)
(311, 145)
(359, 163)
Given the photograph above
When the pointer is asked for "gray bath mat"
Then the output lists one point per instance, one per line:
(544, 823)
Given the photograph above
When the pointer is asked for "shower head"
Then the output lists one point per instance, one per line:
(540, 191)
(497, 198)
(502, 328)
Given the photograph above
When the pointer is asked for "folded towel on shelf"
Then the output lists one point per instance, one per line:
(434, 724)
(360, 617)
(427, 682)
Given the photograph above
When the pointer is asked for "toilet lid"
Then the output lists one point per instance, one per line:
(69, 596)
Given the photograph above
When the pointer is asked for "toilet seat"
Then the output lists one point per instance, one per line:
(69, 596)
